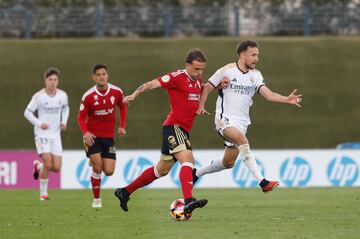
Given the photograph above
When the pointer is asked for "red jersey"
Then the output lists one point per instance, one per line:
(184, 95)
(97, 111)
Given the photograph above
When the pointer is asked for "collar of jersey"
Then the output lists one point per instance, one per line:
(107, 91)
(244, 72)
(189, 75)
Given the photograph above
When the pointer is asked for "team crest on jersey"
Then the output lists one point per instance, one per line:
(112, 99)
(96, 97)
(104, 101)
(252, 79)
(165, 78)
(81, 107)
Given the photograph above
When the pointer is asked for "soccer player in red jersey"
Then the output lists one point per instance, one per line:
(96, 120)
(183, 87)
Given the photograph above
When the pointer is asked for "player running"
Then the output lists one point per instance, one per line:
(183, 87)
(96, 120)
(232, 111)
(51, 105)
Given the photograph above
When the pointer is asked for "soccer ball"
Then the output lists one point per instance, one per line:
(177, 210)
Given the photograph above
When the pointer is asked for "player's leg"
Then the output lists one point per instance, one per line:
(42, 169)
(186, 159)
(94, 154)
(149, 175)
(56, 154)
(44, 175)
(179, 145)
(162, 167)
(226, 162)
(236, 135)
(95, 178)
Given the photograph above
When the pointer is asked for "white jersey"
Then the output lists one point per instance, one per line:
(235, 101)
(51, 110)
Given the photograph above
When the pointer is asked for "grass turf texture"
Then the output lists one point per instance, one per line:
(325, 69)
(230, 213)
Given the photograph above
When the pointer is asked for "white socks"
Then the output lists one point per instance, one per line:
(44, 187)
(214, 166)
(249, 161)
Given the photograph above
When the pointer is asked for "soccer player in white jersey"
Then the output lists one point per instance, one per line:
(51, 105)
(232, 110)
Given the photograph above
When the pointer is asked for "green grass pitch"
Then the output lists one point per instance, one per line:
(230, 213)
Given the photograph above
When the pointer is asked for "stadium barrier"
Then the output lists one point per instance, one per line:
(293, 168)
(16, 171)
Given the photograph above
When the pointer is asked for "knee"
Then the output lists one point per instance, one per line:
(47, 167)
(97, 170)
(56, 169)
(229, 164)
(108, 172)
(163, 172)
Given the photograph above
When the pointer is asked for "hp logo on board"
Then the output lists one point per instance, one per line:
(134, 167)
(83, 174)
(243, 177)
(342, 171)
(174, 173)
(295, 172)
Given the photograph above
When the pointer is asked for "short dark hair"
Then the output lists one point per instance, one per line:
(51, 71)
(98, 66)
(244, 45)
(195, 55)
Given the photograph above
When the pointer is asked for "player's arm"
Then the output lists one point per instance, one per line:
(65, 114)
(150, 85)
(293, 98)
(89, 138)
(29, 114)
(203, 97)
(122, 111)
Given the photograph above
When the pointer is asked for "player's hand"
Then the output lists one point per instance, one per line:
(295, 99)
(201, 110)
(63, 126)
(44, 126)
(121, 132)
(224, 83)
(128, 99)
(89, 138)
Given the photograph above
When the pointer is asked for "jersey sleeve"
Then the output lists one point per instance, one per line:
(65, 110)
(122, 107)
(30, 110)
(217, 77)
(82, 115)
(258, 81)
(167, 81)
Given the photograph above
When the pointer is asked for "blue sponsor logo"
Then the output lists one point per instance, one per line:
(243, 177)
(174, 173)
(295, 172)
(83, 174)
(134, 167)
(342, 171)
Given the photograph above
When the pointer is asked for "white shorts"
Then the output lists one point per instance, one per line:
(48, 145)
(221, 123)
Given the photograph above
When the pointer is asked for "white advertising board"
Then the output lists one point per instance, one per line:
(293, 168)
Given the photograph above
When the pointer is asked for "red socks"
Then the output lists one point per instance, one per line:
(147, 177)
(95, 182)
(186, 180)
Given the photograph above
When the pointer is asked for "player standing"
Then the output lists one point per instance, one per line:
(96, 120)
(51, 105)
(232, 110)
(183, 87)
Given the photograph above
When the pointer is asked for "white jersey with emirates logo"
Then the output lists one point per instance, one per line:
(51, 110)
(235, 101)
